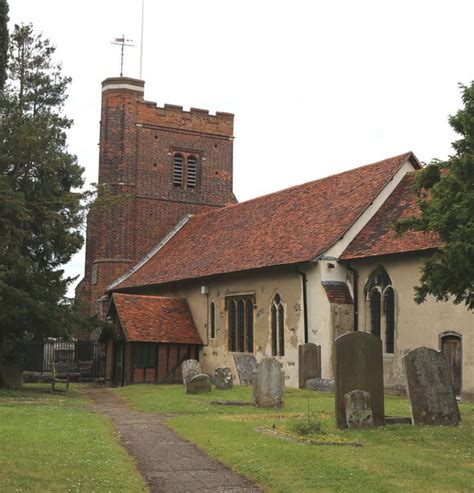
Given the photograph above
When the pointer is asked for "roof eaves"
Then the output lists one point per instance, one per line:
(150, 254)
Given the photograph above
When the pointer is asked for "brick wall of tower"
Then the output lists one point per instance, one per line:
(137, 143)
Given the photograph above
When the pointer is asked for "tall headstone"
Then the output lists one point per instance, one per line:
(199, 384)
(223, 378)
(269, 384)
(358, 409)
(430, 390)
(309, 363)
(189, 369)
(246, 365)
(359, 366)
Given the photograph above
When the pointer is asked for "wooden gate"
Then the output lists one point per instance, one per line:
(451, 347)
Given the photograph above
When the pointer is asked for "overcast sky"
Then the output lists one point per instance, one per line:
(317, 87)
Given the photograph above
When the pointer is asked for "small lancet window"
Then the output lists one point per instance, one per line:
(212, 321)
(389, 305)
(178, 170)
(278, 326)
(191, 178)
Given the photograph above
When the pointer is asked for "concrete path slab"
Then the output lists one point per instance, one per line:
(168, 463)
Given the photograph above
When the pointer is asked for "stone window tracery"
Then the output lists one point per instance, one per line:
(240, 313)
(380, 307)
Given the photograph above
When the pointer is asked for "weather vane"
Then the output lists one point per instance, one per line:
(123, 41)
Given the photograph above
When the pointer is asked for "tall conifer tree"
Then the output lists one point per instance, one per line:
(448, 210)
(3, 41)
(40, 211)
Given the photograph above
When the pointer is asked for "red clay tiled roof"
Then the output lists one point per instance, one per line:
(156, 319)
(287, 227)
(378, 237)
(338, 292)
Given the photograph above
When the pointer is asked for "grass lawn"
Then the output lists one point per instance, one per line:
(53, 442)
(392, 458)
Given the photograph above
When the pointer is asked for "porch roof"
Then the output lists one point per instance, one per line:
(155, 319)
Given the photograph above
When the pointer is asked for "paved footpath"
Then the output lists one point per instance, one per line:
(166, 461)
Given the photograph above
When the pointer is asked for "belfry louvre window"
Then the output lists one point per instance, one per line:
(185, 171)
(278, 326)
(178, 170)
(191, 177)
(240, 323)
(380, 307)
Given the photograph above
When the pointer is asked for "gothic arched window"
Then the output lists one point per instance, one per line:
(278, 326)
(240, 318)
(212, 319)
(380, 306)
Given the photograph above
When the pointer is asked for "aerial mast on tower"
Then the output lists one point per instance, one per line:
(122, 41)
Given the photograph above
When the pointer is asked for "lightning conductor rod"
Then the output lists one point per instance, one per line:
(141, 39)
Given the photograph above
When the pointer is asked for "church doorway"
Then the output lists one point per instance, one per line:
(451, 347)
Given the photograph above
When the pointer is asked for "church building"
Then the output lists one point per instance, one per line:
(183, 270)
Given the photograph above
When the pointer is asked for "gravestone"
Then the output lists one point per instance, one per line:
(223, 378)
(430, 390)
(309, 363)
(199, 384)
(320, 384)
(189, 369)
(359, 366)
(358, 409)
(246, 365)
(269, 384)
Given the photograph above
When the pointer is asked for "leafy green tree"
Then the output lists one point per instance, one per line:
(446, 200)
(3, 41)
(40, 211)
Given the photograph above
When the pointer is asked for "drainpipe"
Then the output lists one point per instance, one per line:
(304, 280)
(355, 285)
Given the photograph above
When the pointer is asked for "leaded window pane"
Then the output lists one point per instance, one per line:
(274, 330)
(281, 331)
(241, 325)
(389, 302)
(249, 325)
(375, 312)
(232, 326)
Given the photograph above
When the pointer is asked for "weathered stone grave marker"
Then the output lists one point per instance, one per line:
(320, 384)
(309, 363)
(223, 378)
(269, 384)
(246, 365)
(359, 366)
(358, 409)
(430, 390)
(189, 369)
(198, 384)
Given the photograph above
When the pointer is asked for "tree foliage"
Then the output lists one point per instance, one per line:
(40, 211)
(446, 200)
(3, 41)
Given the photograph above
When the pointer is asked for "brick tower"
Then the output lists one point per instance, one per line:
(166, 162)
